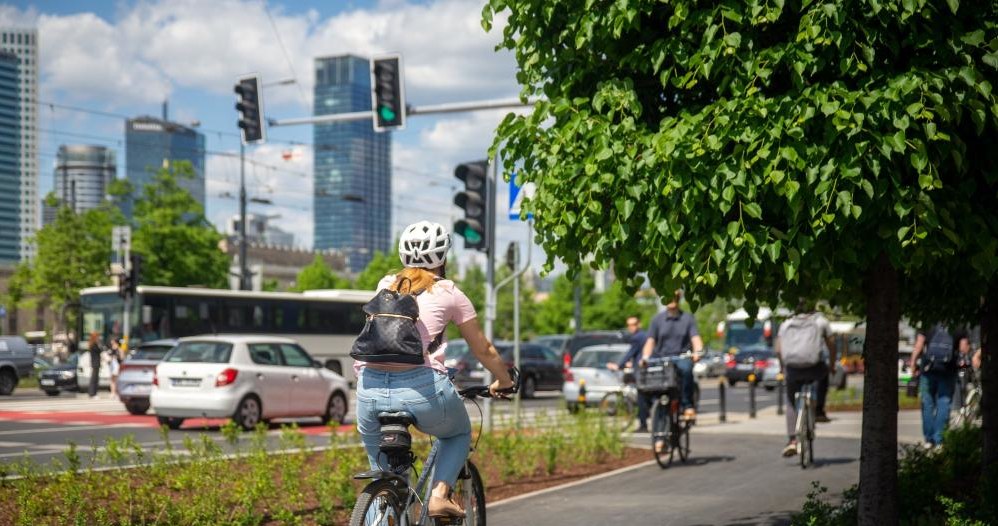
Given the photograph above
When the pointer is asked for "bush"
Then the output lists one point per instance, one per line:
(941, 486)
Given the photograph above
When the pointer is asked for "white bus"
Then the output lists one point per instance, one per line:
(325, 322)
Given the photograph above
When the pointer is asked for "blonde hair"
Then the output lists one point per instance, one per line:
(414, 280)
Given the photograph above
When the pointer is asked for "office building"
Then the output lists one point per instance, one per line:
(10, 159)
(352, 166)
(83, 174)
(23, 43)
(259, 230)
(152, 144)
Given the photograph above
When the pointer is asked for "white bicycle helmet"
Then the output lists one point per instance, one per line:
(424, 245)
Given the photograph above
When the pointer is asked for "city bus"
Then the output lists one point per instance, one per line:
(325, 322)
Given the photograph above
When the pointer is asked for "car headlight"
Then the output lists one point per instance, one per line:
(66, 375)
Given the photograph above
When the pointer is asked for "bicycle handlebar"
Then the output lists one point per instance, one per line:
(482, 391)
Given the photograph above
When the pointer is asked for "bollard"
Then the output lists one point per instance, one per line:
(722, 402)
(780, 386)
(751, 396)
(582, 394)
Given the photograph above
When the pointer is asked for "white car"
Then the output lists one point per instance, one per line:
(589, 366)
(250, 379)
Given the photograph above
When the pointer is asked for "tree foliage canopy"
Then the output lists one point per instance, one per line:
(747, 148)
(318, 275)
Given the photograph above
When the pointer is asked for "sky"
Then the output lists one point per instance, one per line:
(124, 58)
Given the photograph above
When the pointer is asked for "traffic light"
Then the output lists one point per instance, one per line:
(249, 104)
(475, 200)
(129, 280)
(387, 93)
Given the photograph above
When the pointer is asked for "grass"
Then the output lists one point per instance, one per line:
(200, 484)
(851, 399)
(28, 382)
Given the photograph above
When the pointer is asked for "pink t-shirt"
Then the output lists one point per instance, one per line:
(442, 304)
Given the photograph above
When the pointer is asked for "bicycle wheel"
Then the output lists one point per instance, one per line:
(469, 492)
(683, 441)
(620, 409)
(379, 504)
(661, 430)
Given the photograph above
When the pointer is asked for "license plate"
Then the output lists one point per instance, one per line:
(745, 367)
(136, 389)
(186, 382)
(47, 381)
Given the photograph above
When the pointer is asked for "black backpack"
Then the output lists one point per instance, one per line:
(940, 355)
(390, 334)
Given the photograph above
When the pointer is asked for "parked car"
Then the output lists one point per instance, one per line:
(588, 339)
(749, 361)
(60, 377)
(555, 342)
(711, 365)
(16, 362)
(136, 372)
(540, 367)
(251, 379)
(589, 365)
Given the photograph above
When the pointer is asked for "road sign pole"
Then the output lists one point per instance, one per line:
(490, 276)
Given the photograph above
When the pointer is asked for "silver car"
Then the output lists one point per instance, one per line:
(589, 367)
(135, 375)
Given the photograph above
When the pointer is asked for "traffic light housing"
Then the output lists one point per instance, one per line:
(129, 280)
(387, 93)
(476, 201)
(249, 104)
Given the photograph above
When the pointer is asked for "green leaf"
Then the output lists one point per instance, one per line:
(973, 39)
(903, 232)
(604, 154)
(733, 39)
(867, 187)
(753, 210)
(728, 193)
(733, 229)
(919, 161)
(773, 250)
(925, 181)
(953, 5)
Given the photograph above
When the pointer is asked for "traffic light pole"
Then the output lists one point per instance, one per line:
(490, 277)
(243, 266)
(126, 326)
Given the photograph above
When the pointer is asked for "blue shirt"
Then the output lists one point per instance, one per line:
(673, 334)
(637, 341)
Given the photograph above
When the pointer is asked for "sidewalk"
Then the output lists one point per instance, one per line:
(845, 424)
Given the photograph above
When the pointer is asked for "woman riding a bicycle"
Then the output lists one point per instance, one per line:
(425, 391)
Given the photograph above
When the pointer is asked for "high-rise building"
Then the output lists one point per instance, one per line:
(83, 174)
(151, 144)
(10, 159)
(352, 202)
(24, 44)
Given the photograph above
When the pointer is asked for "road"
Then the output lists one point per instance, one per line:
(39, 428)
(730, 480)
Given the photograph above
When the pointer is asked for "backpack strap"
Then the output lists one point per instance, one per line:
(435, 344)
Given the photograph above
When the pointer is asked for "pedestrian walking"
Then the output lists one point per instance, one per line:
(630, 359)
(94, 347)
(799, 349)
(936, 360)
(114, 364)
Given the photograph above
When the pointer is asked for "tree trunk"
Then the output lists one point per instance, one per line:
(989, 390)
(878, 481)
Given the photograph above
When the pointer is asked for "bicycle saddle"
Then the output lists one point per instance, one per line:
(403, 418)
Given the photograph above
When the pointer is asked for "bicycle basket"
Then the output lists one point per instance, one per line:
(658, 378)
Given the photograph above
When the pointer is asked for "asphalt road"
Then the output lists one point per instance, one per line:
(729, 480)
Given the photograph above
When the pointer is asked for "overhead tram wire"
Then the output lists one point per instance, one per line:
(287, 57)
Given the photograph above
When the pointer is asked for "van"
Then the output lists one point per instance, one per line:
(16, 362)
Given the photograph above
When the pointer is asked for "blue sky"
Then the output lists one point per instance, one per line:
(125, 58)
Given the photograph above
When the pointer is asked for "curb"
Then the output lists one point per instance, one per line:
(569, 484)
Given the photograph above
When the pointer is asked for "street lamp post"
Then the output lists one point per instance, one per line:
(244, 281)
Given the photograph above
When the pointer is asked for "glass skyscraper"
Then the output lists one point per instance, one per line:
(82, 175)
(151, 144)
(10, 160)
(23, 43)
(352, 202)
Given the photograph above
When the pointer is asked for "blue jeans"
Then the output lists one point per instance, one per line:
(429, 396)
(937, 395)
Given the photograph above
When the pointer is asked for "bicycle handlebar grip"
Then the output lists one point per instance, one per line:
(514, 374)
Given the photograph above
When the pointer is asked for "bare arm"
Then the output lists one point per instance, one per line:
(486, 354)
(649, 348)
(833, 352)
(697, 343)
(976, 360)
(919, 345)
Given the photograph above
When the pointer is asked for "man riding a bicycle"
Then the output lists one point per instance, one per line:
(670, 334)
(798, 347)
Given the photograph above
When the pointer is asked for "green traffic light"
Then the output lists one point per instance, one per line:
(470, 234)
(387, 114)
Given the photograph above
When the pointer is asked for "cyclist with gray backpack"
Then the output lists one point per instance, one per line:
(399, 363)
(799, 349)
(935, 361)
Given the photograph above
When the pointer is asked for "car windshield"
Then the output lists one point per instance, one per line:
(554, 343)
(597, 359)
(741, 336)
(151, 352)
(579, 342)
(204, 352)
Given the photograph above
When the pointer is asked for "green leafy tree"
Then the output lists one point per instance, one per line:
(381, 265)
(73, 253)
(766, 151)
(180, 247)
(555, 315)
(318, 275)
